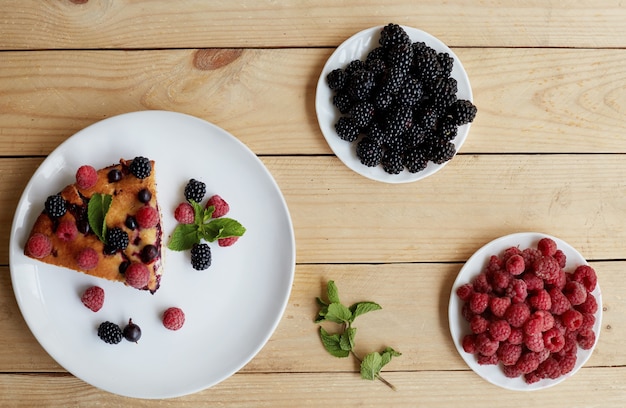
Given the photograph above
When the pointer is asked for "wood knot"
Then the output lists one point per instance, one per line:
(211, 59)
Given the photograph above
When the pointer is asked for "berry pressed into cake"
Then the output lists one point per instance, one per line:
(106, 224)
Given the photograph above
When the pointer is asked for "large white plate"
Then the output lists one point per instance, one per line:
(231, 309)
(357, 47)
(459, 326)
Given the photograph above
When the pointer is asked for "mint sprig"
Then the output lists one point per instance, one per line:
(341, 344)
(97, 210)
(205, 228)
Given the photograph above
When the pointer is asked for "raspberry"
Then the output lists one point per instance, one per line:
(509, 252)
(173, 318)
(534, 342)
(464, 292)
(141, 167)
(528, 362)
(469, 343)
(486, 346)
(530, 255)
(195, 190)
(87, 259)
(39, 246)
(586, 339)
(533, 282)
(494, 265)
(546, 267)
(546, 318)
(549, 368)
(516, 336)
(547, 246)
(499, 330)
(590, 305)
(137, 275)
(559, 302)
(147, 217)
(567, 363)
(561, 258)
(110, 332)
(478, 324)
(575, 292)
(559, 280)
(55, 206)
(511, 371)
(509, 353)
(517, 290)
(586, 275)
(67, 231)
(479, 302)
(515, 265)
(553, 340)
(588, 321)
(487, 360)
(220, 205)
(200, 256)
(86, 177)
(481, 283)
(184, 213)
(93, 298)
(500, 280)
(534, 324)
(499, 305)
(572, 319)
(540, 300)
(226, 242)
(517, 314)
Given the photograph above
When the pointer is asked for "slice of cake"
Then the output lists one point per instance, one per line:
(107, 224)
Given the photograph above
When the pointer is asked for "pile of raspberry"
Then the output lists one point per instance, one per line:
(527, 314)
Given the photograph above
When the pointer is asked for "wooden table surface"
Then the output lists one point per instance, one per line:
(545, 153)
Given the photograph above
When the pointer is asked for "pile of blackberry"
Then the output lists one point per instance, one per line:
(399, 104)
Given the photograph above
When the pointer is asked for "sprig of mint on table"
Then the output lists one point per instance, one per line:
(341, 344)
(205, 228)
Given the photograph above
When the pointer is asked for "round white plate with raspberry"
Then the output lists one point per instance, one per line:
(357, 47)
(460, 327)
(231, 309)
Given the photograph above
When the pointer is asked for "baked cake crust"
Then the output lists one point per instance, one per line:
(125, 202)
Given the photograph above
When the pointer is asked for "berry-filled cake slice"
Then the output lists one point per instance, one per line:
(107, 224)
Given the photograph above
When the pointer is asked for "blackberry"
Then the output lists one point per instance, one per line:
(400, 56)
(360, 84)
(383, 100)
(429, 116)
(462, 112)
(441, 96)
(363, 113)
(378, 53)
(55, 206)
(446, 63)
(393, 34)
(376, 66)
(410, 93)
(426, 66)
(393, 81)
(110, 332)
(200, 256)
(442, 152)
(347, 129)
(375, 133)
(369, 152)
(354, 65)
(446, 129)
(415, 136)
(399, 121)
(336, 79)
(420, 48)
(392, 161)
(117, 238)
(343, 102)
(195, 190)
(393, 142)
(414, 160)
(140, 167)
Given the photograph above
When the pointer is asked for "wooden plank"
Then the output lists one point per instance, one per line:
(288, 23)
(424, 388)
(414, 321)
(342, 217)
(528, 100)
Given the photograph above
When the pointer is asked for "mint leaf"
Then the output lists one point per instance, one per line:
(387, 354)
(332, 292)
(183, 237)
(221, 228)
(346, 340)
(198, 212)
(338, 313)
(371, 366)
(331, 343)
(361, 308)
(97, 209)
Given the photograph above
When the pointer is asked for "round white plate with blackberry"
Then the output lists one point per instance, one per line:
(394, 103)
(231, 309)
(561, 354)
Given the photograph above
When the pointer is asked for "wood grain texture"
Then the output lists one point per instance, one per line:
(424, 388)
(414, 320)
(66, 24)
(562, 101)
